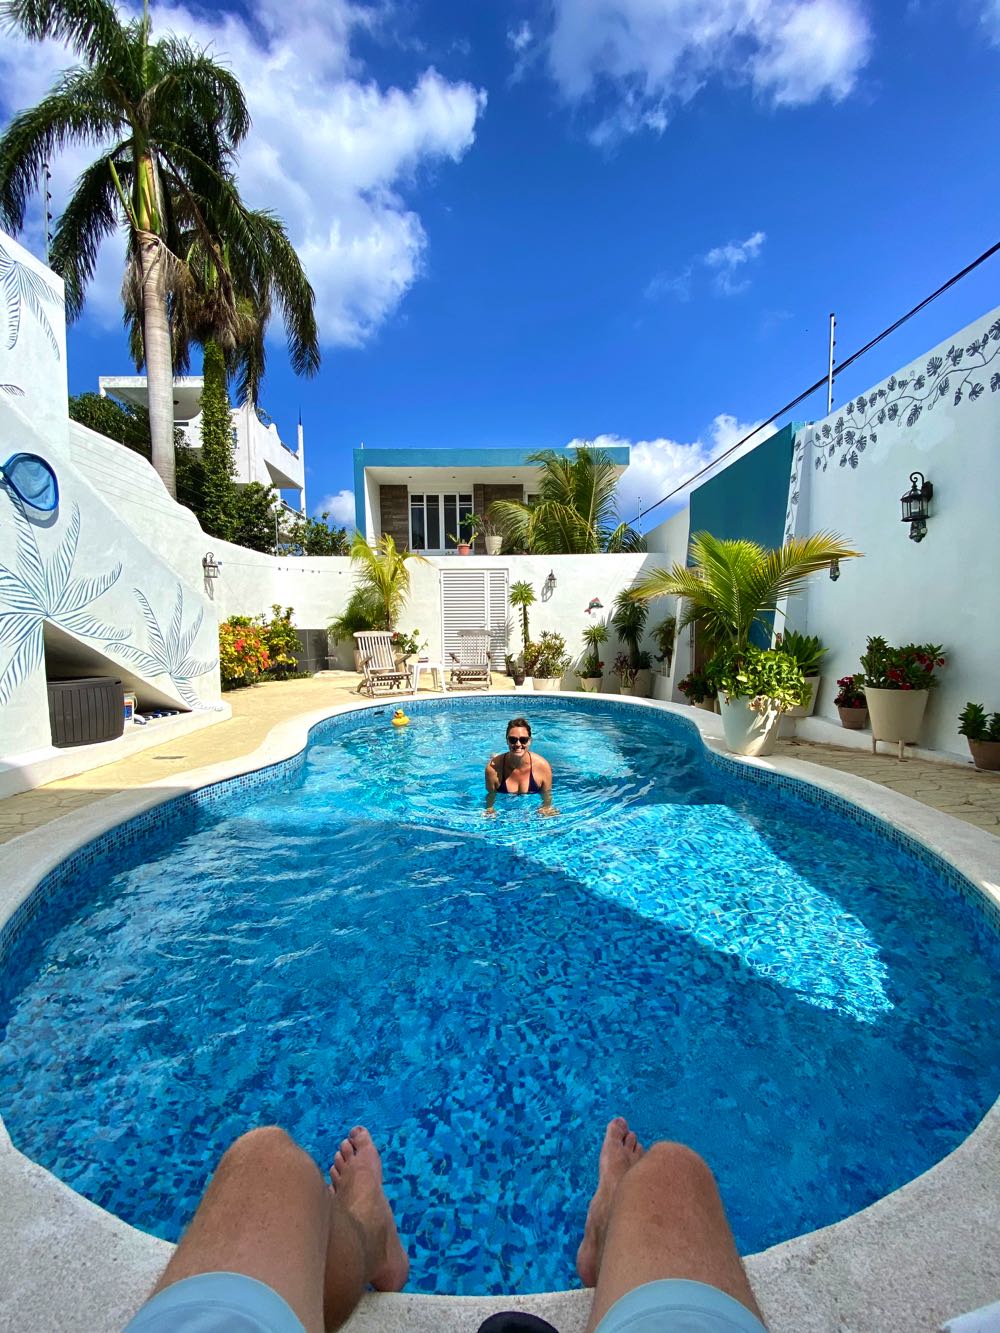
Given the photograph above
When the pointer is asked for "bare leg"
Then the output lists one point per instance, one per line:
(267, 1213)
(657, 1215)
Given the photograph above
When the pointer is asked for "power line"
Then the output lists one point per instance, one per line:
(957, 277)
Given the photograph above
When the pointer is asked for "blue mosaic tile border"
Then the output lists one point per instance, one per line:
(69, 879)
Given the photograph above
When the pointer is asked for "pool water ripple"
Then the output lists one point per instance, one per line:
(806, 1004)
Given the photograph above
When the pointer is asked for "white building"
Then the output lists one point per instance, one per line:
(259, 452)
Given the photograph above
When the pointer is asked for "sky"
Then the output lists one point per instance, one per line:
(542, 222)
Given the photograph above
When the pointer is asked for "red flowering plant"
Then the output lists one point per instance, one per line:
(850, 692)
(243, 655)
(910, 667)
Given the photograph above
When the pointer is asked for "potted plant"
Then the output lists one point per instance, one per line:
(515, 669)
(591, 665)
(665, 634)
(700, 689)
(485, 526)
(628, 619)
(404, 646)
(897, 682)
(546, 660)
(756, 687)
(522, 594)
(626, 673)
(808, 652)
(982, 731)
(359, 614)
(850, 703)
(463, 545)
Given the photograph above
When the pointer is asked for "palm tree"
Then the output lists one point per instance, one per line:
(729, 583)
(522, 594)
(575, 510)
(173, 117)
(628, 620)
(383, 578)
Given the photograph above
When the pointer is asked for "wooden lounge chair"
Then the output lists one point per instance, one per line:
(471, 664)
(378, 662)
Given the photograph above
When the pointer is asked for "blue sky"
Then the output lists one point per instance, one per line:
(624, 220)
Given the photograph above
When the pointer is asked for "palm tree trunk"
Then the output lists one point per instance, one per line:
(159, 363)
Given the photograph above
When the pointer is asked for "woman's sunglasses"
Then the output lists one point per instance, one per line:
(518, 740)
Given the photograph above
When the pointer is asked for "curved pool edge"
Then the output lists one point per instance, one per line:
(910, 1260)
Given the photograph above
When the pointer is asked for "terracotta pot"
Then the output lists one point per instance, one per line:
(463, 548)
(807, 709)
(748, 732)
(986, 755)
(854, 719)
(895, 715)
(493, 545)
(546, 684)
(591, 684)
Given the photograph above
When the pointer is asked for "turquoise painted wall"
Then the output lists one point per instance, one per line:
(748, 499)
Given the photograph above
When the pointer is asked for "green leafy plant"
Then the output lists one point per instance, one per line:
(407, 644)
(547, 658)
(522, 594)
(483, 525)
(770, 680)
(850, 692)
(383, 577)
(282, 643)
(359, 614)
(698, 686)
(665, 633)
(806, 649)
(243, 655)
(910, 667)
(593, 637)
(469, 524)
(628, 620)
(978, 725)
(623, 668)
(730, 586)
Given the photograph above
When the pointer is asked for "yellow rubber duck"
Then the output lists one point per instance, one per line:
(399, 719)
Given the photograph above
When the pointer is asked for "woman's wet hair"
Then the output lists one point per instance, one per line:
(518, 722)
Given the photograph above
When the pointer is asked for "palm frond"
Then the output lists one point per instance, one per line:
(91, 27)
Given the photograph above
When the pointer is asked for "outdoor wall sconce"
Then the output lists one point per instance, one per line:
(595, 605)
(549, 586)
(211, 566)
(834, 570)
(915, 506)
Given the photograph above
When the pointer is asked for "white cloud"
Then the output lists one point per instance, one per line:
(521, 41)
(991, 20)
(651, 54)
(330, 151)
(657, 466)
(340, 507)
(727, 259)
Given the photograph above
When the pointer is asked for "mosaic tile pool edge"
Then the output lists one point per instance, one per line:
(174, 810)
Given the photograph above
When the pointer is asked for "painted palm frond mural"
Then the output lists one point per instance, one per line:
(23, 288)
(13, 389)
(168, 652)
(43, 589)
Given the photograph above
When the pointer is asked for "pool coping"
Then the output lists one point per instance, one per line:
(915, 1257)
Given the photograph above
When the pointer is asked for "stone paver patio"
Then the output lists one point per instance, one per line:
(956, 789)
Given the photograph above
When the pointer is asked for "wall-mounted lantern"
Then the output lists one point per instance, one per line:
(595, 605)
(211, 566)
(916, 506)
(834, 570)
(549, 586)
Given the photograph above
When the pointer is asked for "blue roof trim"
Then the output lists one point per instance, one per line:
(459, 457)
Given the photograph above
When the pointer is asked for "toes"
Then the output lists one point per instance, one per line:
(360, 1138)
(618, 1127)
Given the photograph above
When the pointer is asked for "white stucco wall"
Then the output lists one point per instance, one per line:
(943, 589)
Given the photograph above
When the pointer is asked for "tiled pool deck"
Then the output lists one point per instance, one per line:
(925, 1253)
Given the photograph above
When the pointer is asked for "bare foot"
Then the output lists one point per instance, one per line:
(620, 1150)
(356, 1177)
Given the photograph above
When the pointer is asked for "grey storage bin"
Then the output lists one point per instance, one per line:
(86, 710)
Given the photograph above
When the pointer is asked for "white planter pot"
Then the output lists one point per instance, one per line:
(807, 709)
(546, 684)
(895, 715)
(628, 690)
(643, 684)
(493, 545)
(748, 732)
(591, 684)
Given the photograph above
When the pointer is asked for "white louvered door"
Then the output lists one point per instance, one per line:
(474, 599)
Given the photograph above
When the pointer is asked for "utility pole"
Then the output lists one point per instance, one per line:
(829, 373)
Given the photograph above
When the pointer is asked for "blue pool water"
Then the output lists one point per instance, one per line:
(808, 1005)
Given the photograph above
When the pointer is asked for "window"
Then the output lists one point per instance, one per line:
(435, 521)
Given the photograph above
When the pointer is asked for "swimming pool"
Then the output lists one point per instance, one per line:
(726, 963)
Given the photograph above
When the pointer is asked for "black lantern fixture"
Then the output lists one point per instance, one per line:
(549, 586)
(211, 566)
(834, 569)
(915, 506)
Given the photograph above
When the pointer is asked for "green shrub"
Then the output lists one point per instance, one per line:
(978, 725)
(806, 649)
(769, 679)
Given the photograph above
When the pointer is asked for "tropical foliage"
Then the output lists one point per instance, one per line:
(282, 643)
(593, 637)
(697, 686)
(216, 515)
(767, 678)
(522, 594)
(730, 585)
(978, 725)
(807, 650)
(301, 535)
(624, 669)
(665, 633)
(382, 578)
(173, 118)
(628, 619)
(546, 658)
(910, 667)
(575, 511)
(243, 655)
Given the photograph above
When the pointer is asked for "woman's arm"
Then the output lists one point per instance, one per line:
(544, 780)
(492, 787)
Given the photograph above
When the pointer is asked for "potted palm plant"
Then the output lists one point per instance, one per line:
(850, 703)
(808, 652)
(628, 619)
(546, 660)
(729, 587)
(982, 731)
(897, 685)
(522, 594)
(591, 665)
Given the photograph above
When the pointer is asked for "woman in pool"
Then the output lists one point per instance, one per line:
(518, 772)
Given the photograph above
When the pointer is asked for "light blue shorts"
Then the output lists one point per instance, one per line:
(675, 1305)
(217, 1303)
